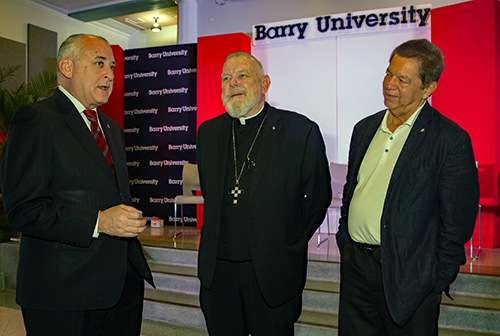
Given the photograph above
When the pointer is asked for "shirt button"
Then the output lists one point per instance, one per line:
(391, 138)
(386, 150)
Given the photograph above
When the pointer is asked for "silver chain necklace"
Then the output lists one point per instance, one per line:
(237, 191)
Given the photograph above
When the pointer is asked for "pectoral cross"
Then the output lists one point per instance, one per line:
(236, 191)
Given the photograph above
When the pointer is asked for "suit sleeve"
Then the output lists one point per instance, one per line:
(458, 194)
(26, 174)
(342, 235)
(199, 158)
(316, 181)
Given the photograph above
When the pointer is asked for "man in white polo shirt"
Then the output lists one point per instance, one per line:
(410, 204)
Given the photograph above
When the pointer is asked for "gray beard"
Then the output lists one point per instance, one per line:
(238, 111)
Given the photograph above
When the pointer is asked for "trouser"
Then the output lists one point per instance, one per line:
(234, 305)
(123, 319)
(363, 309)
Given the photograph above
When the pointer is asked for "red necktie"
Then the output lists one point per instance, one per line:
(99, 136)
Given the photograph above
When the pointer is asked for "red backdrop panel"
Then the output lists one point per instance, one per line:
(212, 50)
(468, 93)
(114, 107)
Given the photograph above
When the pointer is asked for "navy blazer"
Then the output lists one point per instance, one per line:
(54, 180)
(287, 201)
(429, 211)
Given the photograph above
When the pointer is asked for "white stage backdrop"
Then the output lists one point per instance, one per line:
(335, 77)
(335, 80)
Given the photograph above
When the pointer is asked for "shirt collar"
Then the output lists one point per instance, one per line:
(79, 106)
(244, 119)
(409, 122)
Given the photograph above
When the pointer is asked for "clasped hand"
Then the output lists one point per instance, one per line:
(122, 221)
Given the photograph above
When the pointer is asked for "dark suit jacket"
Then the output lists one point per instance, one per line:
(54, 180)
(291, 164)
(429, 211)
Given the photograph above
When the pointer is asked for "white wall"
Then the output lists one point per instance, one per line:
(147, 38)
(16, 14)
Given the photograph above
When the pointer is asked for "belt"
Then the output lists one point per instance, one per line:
(373, 251)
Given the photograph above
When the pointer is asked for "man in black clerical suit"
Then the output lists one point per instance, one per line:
(266, 183)
(81, 267)
(409, 206)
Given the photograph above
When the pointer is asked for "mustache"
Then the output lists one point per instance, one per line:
(235, 91)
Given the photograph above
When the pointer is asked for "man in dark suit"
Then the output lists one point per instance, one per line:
(409, 206)
(81, 267)
(265, 179)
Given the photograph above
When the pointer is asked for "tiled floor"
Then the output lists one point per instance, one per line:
(11, 323)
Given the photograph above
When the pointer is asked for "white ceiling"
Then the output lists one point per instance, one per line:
(69, 6)
(137, 14)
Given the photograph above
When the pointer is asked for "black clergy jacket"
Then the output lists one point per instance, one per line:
(429, 211)
(287, 201)
(54, 181)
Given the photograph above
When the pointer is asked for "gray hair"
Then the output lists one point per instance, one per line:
(259, 67)
(427, 54)
(71, 48)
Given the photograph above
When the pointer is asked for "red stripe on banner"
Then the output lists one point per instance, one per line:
(212, 50)
(114, 107)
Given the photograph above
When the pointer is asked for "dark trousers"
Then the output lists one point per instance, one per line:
(123, 319)
(363, 310)
(234, 305)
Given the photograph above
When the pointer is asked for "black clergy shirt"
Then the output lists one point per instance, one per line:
(234, 244)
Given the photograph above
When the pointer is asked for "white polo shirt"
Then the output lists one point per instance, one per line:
(365, 210)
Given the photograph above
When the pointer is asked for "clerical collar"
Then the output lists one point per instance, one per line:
(244, 119)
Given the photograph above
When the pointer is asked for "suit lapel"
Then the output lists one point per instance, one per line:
(223, 138)
(268, 135)
(367, 139)
(82, 134)
(114, 149)
(418, 132)
(360, 149)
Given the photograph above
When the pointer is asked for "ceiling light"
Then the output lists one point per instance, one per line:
(156, 26)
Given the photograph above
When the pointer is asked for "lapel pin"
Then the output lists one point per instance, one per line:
(274, 128)
(108, 125)
(422, 130)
